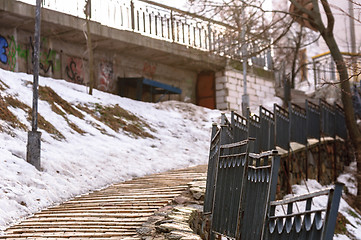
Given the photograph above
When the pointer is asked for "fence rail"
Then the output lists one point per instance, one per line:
(327, 119)
(282, 127)
(162, 22)
(241, 184)
(306, 224)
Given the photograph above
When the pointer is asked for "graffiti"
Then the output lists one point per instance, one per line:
(74, 70)
(16, 50)
(149, 69)
(47, 60)
(3, 45)
(105, 76)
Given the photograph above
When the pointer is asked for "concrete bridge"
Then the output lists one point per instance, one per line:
(171, 50)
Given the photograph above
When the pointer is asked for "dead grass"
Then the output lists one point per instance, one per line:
(42, 123)
(75, 127)
(3, 86)
(118, 118)
(341, 224)
(8, 116)
(48, 94)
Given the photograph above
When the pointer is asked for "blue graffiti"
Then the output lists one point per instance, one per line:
(3, 45)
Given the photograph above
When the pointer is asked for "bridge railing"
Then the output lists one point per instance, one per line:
(162, 22)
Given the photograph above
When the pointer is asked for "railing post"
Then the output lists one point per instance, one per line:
(132, 14)
(332, 210)
(210, 47)
(172, 25)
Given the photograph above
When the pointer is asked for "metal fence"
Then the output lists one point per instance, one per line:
(254, 131)
(340, 123)
(243, 180)
(308, 223)
(212, 167)
(267, 129)
(298, 124)
(231, 174)
(313, 117)
(240, 126)
(327, 119)
(282, 127)
(241, 184)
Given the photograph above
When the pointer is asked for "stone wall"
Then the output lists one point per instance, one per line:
(324, 167)
(229, 89)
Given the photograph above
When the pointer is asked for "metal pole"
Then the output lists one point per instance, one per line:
(245, 97)
(34, 137)
(353, 40)
(36, 66)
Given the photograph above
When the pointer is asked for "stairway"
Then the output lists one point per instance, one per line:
(112, 213)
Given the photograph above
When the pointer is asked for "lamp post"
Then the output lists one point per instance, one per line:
(245, 96)
(34, 136)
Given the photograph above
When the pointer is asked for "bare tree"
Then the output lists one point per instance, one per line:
(307, 13)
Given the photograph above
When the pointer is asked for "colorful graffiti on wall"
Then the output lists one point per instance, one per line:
(74, 70)
(3, 46)
(11, 51)
(48, 58)
(105, 76)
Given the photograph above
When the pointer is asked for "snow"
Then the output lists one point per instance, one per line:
(353, 217)
(80, 163)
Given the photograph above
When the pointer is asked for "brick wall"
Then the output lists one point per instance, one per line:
(229, 89)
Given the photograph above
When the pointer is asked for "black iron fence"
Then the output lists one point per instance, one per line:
(282, 127)
(298, 118)
(313, 116)
(267, 129)
(241, 183)
(243, 180)
(308, 223)
(327, 119)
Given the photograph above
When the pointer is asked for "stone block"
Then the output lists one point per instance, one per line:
(230, 74)
(222, 106)
(255, 86)
(220, 100)
(233, 93)
(269, 83)
(234, 106)
(260, 93)
(219, 86)
(251, 91)
(222, 79)
(251, 79)
(232, 80)
(221, 93)
(231, 100)
(260, 82)
(239, 75)
(265, 89)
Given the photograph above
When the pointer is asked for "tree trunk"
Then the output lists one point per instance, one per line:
(351, 124)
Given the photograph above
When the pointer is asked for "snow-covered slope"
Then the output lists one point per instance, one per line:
(91, 155)
(89, 142)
